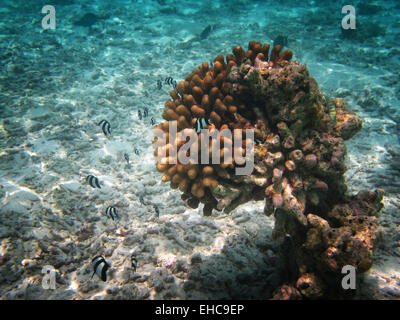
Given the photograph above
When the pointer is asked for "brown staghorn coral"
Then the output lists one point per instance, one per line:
(299, 157)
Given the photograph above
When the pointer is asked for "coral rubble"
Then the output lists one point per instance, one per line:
(298, 159)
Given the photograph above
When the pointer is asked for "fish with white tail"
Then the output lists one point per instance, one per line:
(93, 181)
(100, 267)
(200, 124)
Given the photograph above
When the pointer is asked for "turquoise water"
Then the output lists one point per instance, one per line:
(103, 61)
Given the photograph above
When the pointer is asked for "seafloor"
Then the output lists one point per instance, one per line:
(56, 85)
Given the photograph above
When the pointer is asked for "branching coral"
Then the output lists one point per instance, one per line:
(299, 150)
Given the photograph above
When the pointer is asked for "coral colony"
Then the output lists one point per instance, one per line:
(297, 161)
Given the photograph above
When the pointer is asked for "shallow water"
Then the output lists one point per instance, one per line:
(57, 85)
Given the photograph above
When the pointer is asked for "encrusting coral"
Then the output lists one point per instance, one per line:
(313, 257)
(298, 155)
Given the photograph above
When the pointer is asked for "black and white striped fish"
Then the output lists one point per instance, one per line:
(137, 151)
(93, 181)
(105, 126)
(157, 211)
(152, 121)
(112, 213)
(100, 267)
(201, 123)
(140, 114)
(126, 156)
(145, 112)
(169, 80)
(134, 263)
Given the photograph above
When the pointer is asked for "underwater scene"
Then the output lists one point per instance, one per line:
(199, 150)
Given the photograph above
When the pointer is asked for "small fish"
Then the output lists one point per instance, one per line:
(152, 121)
(137, 151)
(93, 181)
(134, 263)
(126, 156)
(174, 84)
(201, 123)
(100, 267)
(168, 80)
(157, 211)
(211, 63)
(106, 127)
(140, 114)
(159, 84)
(332, 108)
(206, 32)
(112, 213)
(146, 112)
